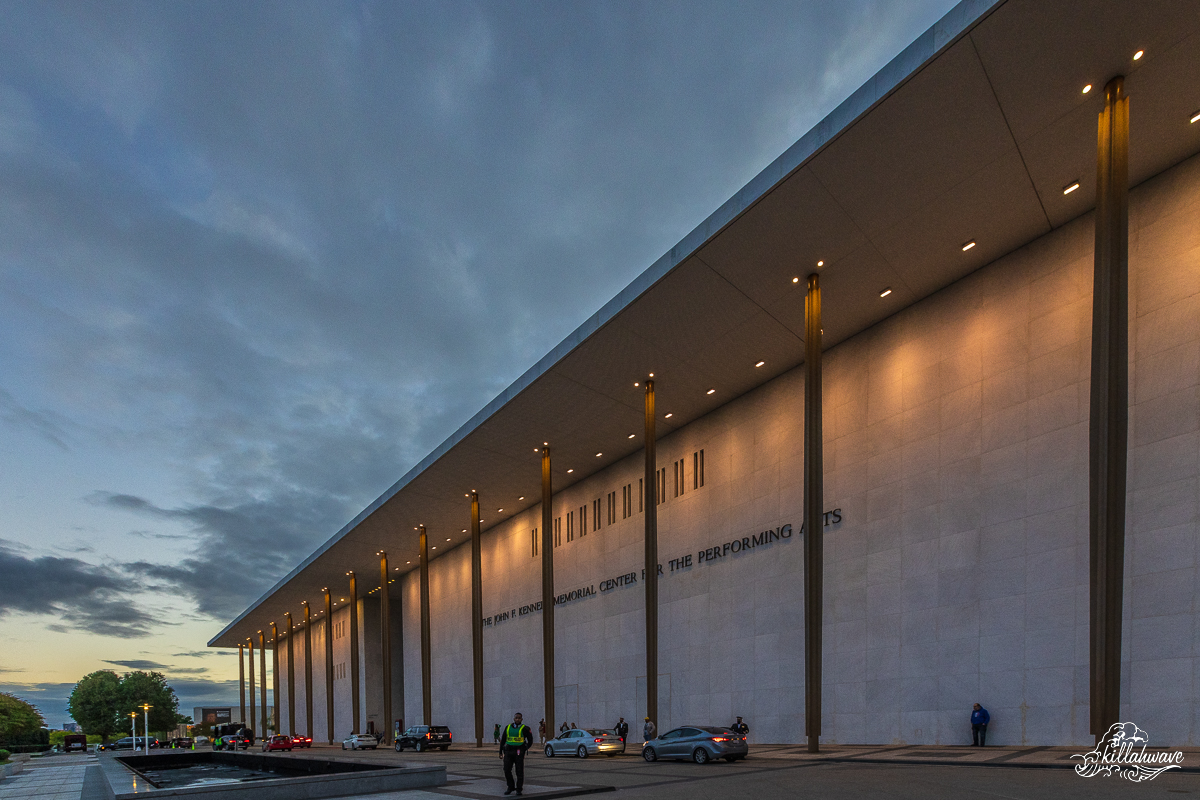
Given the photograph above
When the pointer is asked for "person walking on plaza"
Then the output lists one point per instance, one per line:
(622, 729)
(513, 747)
(979, 722)
(648, 730)
(496, 733)
(740, 727)
(542, 732)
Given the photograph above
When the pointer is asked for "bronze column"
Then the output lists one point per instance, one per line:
(291, 677)
(329, 664)
(275, 679)
(477, 616)
(814, 528)
(354, 687)
(426, 671)
(253, 721)
(241, 683)
(308, 709)
(262, 677)
(650, 501)
(547, 592)
(1109, 414)
(385, 644)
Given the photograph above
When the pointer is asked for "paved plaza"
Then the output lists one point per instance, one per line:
(779, 771)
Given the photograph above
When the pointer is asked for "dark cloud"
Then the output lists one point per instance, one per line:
(280, 252)
(140, 665)
(83, 596)
(204, 653)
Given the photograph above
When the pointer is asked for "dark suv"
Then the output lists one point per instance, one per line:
(424, 737)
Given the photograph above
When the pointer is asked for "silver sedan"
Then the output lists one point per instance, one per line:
(700, 743)
(582, 743)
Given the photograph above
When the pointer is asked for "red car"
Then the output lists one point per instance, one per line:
(278, 743)
(301, 741)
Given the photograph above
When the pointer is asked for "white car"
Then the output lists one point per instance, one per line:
(360, 741)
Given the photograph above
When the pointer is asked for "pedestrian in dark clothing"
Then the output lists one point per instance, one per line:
(496, 734)
(564, 727)
(514, 745)
(740, 727)
(979, 723)
(542, 731)
(622, 729)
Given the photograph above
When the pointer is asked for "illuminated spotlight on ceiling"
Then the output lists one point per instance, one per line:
(1195, 117)
(886, 292)
(1087, 88)
(499, 510)
(599, 454)
(759, 364)
(795, 280)
(522, 497)
(636, 385)
(668, 416)
(570, 471)
(407, 562)
(435, 547)
(1138, 54)
(820, 263)
(447, 540)
(632, 435)
(968, 245)
(464, 530)
(651, 374)
(711, 391)
(1070, 187)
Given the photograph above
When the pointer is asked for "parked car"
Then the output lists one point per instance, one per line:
(74, 741)
(700, 743)
(233, 741)
(581, 742)
(180, 743)
(277, 742)
(127, 743)
(360, 741)
(301, 741)
(424, 737)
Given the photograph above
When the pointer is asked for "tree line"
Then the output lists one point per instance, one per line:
(102, 703)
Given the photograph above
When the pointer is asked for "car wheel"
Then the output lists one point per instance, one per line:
(399, 749)
(549, 751)
(649, 754)
(420, 747)
(700, 755)
(581, 752)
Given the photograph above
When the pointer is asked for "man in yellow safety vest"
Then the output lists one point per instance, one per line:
(514, 744)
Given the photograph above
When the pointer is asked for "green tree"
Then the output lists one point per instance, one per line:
(17, 718)
(148, 687)
(95, 703)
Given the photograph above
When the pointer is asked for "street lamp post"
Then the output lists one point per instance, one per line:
(145, 725)
(133, 722)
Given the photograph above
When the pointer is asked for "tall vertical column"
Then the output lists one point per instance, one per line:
(355, 688)
(650, 484)
(426, 669)
(477, 616)
(308, 704)
(262, 676)
(275, 679)
(385, 644)
(1109, 418)
(547, 591)
(291, 677)
(329, 664)
(253, 721)
(814, 528)
(242, 683)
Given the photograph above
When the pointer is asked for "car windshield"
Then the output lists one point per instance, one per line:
(439, 729)
(715, 730)
(592, 732)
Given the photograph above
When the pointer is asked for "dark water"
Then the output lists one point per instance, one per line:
(209, 774)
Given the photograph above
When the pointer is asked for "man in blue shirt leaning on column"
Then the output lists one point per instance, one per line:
(979, 723)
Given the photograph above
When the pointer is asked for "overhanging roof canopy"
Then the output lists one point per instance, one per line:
(970, 134)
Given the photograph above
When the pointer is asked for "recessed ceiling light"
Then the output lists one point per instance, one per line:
(1087, 88)
(447, 540)
(499, 510)
(1138, 54)
(886, 292)
(407, 562)
(599, 454)
(820, 263)
(1195, 117)
(570, 471)
(968, 245)
(1070, 187)
(537, 449)
(637, 384)
(651, 374)
(435, 547)
(759, 364)
(710, 391)
(464, 530)
(522, 497)
(668, 416)
(632, 435)
(795, 280)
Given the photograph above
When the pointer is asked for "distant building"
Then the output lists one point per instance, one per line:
(214, 715)
(73, 727)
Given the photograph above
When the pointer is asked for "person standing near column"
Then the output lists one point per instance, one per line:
(541, 731)
(979, 722)
(648, 730)
(514, 745)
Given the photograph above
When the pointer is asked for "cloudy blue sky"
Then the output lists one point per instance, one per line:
(258, 259)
